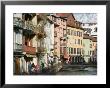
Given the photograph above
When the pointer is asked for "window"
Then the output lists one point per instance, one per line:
(74, 50)
(81, 42)
(61, 51)
(68, 32)
(75, 41)
(75, 33)
(80, 51)
(83, 51)
(77, 50)
(71, 32)
(88, 52)
(26, 43)
(79, 34)
(71, 50)
(78, 41)
(90, 45)
(55, 34)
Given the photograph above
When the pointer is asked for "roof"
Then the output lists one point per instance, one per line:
(71, 21)
(94, 39)
(86, 36)
(63, 14)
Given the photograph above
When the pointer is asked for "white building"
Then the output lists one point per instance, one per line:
(49, 40)
(18, 63)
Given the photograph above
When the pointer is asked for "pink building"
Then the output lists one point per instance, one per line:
(62, 21)
(60, 40)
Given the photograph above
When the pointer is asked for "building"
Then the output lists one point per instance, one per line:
(17, 42)
(78, 42)
(70, 34)
(49, 40)
(59, 35)
(75, 38)
(25, 44)
(94, 50)
(90, 48)
(90, 35)
(62, 21)
(29, 50)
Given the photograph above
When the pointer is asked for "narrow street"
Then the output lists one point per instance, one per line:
(77, 71)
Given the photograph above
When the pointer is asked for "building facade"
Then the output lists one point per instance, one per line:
(59, 35)
(87, 50)
(75, 38)
(49, 40)
(17, 44)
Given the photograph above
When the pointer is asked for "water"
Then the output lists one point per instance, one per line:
(78, 71)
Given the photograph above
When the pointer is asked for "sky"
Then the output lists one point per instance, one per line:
(86, 17)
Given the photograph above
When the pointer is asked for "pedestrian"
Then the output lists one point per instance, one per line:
(33, 65)
(42, 64)
(37, 68)
(49, 58)
(29, 67)
(33, 68)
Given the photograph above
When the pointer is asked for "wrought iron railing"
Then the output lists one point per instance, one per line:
(18, 22)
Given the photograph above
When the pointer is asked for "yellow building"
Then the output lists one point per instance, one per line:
(75, 37)
(78, 41)
(70, 41)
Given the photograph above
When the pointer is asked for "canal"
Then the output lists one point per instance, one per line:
(78, 70)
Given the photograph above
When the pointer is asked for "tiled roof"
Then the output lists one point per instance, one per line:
(70, 19)
(86, 36)
(63, 14)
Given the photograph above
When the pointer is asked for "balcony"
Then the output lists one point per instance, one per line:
(29, 49)
(29, 25)
(17, 22)
(18, 47)
(28, 29)
(55, 34)
(63, 44)
(41, 49)
(64, 38)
